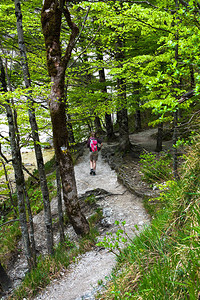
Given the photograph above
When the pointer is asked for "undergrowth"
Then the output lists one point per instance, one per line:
(10, 233)
(163, 261)
(52, 267)
(156, 167)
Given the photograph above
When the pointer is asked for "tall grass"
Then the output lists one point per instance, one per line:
(163, 262)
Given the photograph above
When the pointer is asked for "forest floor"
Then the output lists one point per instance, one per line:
(119, 190)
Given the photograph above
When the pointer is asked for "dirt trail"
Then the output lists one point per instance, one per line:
(81, 280)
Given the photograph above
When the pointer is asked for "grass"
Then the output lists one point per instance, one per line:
(163, 262)
(47, 269)
(156, 167)
(50, 267)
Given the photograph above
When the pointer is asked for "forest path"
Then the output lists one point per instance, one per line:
(81, 279)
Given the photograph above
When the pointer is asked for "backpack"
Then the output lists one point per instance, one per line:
(93, 145)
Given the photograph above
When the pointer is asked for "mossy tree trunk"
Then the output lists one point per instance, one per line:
(51, 16)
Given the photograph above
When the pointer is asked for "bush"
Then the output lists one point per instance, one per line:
(155, 168)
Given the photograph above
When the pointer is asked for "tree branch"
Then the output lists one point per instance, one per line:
(72, 39)
(29, 173)
(186, 96)
(83, 24)
(85, 47)
(182, 125)
(16, 220)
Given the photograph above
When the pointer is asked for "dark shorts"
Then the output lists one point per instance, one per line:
(94, 155)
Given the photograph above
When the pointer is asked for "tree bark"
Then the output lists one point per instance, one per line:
(97, 125)
(136, 92)
(108, 119)
(138, 125)
(175, 152)
(34, 129)
(159, 138)
(13, 204)
(51, 16)
(175, 133)
(59, 196)
(122, 115)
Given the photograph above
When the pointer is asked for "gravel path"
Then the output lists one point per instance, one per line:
(82, 278)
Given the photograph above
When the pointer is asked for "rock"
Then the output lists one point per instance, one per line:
(106, 222)
(107, 212)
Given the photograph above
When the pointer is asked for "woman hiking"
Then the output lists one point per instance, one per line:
(92, 144)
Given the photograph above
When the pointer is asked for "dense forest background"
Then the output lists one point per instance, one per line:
(69, 67)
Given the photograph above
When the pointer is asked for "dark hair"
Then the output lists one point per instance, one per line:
(92, 134)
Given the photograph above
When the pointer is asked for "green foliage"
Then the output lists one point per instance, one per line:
(154, 168)
(115, 241)
(162, 262)
(9, 237)
(35, 196)
(90, 199)
(95, 218)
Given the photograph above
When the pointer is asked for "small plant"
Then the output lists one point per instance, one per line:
(155, 168)
(96, 217)
(115, 242)
(90, 199)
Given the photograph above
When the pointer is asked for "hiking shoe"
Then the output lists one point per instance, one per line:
(91, 172)
(94, 173)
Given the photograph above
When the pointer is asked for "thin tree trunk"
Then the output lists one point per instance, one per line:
(175, 152)
(51, 25)
(19, 176)
(109, 127)
(69, 123)
(159, 138)
(122, 115)
(9, 188)
(70, 129)
(175, 133)
(60, 210)
(138, 125)
(35, 135)
(97, 125)
(108, 119)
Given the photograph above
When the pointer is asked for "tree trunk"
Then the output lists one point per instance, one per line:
(175, 152)
(59, 196)
(51, 25)
(35, 135)
(159, 138)
(5, 281)
(70, 129)
(108, 119)
(136, 92)
(19, 176)
(13, 204)
(175, 133)
(109, 127)
(97, 125)
(138, 125)
(122, 115)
